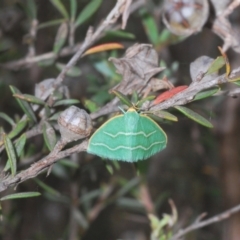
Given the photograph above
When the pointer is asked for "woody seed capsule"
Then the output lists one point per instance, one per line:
(74, 124)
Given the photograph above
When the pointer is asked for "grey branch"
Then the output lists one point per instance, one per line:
(79, 48)
(42, 165)
(200, 224)
(187, 95)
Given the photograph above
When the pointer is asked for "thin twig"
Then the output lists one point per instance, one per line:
(200, 224)
(26, 62)
(42, 165)
(181, 98)
(187, 95)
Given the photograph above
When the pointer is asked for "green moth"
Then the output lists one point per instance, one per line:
(128, 137)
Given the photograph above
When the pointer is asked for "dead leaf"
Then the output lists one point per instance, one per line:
(169, 94)
(138, 66)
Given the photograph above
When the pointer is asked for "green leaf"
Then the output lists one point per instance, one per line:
(29, 7)
(20, 195)
(89, 196)
(166, 115)
(49, 136)
(134, 98)
(61, 37)
(60, 7)
(20, 143)
(237, 83)
(154, 221)
(7, 118)
(47, 111)
(69, 163)
(32, 9)
(218, 63)
(72, 72)
(88, 11)
(90, 105)
(129, 186)
(142, 101)
(19, 146)
(194, 116)
(150, 26)
(11, 154)
(206, 94)
(120, 34)
(46, 187)
(54, 117)
(66, 102)
(51, 23)
(124, 99)
(104, 68)
(25, 106)
(46, 62)
(29, 98)
(73, 8)
(154, 117)
(18, 128)
(164, 36)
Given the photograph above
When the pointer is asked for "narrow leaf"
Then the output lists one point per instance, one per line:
(11, 154)
(142, 101)
(72, 72)
(104, 68)
(18, 128)
(7, 118)
(154, 117)
(194, 116)
(25, 106)
(19, 146)
(103, 47)
(237, 83)
(29, 98)
(124, 99)
(20, 195)
(66, 102)
(120, 34)
(32, 9)
(54, 117)
(206, 94)
(20, 143)
(150, 26)
(90, 105)
(73, 8)
(51, 23)
(88, 11)
(60, 7)
(49, 136)
(134, 98)
(69, 163)
(47, 111)
(46, 187)
(60, 37)
(217, 64)
(46, 62)
(166, 115)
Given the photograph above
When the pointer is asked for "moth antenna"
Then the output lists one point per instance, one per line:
(122, 110)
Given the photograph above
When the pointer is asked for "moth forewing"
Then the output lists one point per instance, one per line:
(128, 137)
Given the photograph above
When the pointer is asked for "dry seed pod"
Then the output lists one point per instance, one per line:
(185, 17)
(74, 124)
